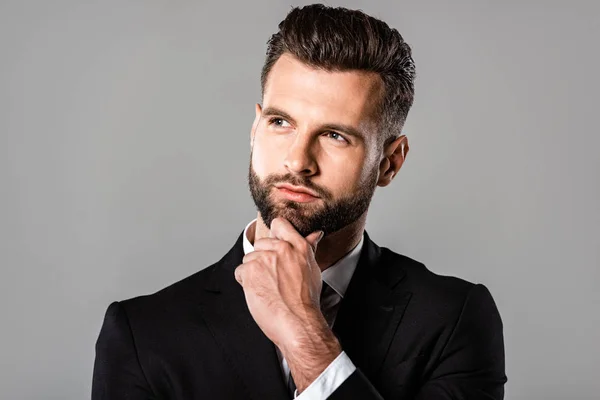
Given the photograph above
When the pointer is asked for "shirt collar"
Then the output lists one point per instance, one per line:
(338, 275)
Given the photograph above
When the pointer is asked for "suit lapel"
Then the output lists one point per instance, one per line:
(371, 309)
(251, 354)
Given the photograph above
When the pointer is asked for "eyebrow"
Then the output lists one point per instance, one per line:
(347, 129)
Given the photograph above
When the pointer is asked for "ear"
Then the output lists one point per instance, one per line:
(258, 113)
(394, 155)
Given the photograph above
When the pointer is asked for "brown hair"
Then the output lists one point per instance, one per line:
(339, 39)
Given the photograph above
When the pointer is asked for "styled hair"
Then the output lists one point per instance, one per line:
(339, 39)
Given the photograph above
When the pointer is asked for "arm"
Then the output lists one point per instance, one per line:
(117, 370)
(471, 365)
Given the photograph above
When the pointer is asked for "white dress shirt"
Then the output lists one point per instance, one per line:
(337, 277)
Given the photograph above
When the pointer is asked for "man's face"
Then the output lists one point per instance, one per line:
(316, 131)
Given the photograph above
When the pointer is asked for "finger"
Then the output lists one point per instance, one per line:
(282, 229)
(257, 255)
(267, 244)
(314, 238)
(238, 273)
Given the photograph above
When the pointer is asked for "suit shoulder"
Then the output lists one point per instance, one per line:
(423, 282)
(173, 296)
(439, 300)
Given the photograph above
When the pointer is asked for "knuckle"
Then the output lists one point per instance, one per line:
(270, 257)
(273, 257)
(238, 272)
(281, 245)
(304, 246)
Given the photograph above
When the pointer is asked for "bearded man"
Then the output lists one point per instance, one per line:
(305, 305)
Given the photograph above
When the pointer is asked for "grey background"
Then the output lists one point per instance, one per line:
(124, 145)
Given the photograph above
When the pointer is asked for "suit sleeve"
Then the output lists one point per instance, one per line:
(471, 366)
(117, 370)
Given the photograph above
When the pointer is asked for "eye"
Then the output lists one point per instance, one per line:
(337, 137)
(279, 122)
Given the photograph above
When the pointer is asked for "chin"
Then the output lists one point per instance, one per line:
(300, 219)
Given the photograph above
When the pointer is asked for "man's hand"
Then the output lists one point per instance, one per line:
(282, 285)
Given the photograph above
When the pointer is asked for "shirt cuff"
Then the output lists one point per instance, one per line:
(330, 379)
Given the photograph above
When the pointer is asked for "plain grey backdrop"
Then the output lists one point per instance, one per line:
(124, 148)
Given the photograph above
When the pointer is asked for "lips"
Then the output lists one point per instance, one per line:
(296, 193)
(297, 189)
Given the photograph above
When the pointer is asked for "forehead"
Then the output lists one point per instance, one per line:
(333, 96)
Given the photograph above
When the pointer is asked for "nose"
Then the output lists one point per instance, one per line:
(300, 159)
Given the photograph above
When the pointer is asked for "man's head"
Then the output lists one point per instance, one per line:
(337, 85)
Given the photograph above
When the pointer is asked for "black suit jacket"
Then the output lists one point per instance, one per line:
(412, 334)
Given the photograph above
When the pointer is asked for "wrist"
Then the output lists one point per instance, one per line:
(311, 333)
(309, 352)
(312, 342)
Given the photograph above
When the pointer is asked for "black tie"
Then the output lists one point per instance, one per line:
(329, 301)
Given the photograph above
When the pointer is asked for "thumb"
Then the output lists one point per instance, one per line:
(314, 238)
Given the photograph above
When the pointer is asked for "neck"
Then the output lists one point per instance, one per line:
(331, 248)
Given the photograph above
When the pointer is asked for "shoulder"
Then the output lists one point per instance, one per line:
(169, 302)
(179, 302)
(159, 328)
(419, 277)
(438, 295)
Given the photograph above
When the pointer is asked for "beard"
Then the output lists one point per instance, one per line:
(326, 214)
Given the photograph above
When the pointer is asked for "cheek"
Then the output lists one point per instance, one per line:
(264, 157)
(344, 172)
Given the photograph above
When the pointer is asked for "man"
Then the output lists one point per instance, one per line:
(305, 304)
